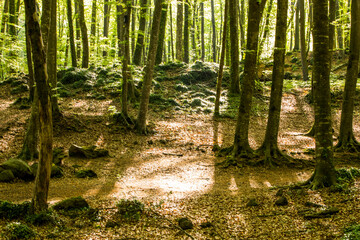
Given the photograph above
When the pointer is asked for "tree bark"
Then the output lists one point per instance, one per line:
(71, 34)
(186, 32)
(304, 63)
(84, 36)
(234, 48)
(5, 16)
(269, 149)
(141, 33)
(214, 30)
(30, 65)
(339, 30)
(222, 58)
(125, 69)
(107, 9)
(93, 23)
(241, 142)
(202, 31)
(39, 201)
(332, 16)
(297, 29)
(171, 34)
(242, 28)
(149, 70)
(160, 48)
(266, 28)
(12, 18)
(324, 174)
(179, 30)
(347, 141)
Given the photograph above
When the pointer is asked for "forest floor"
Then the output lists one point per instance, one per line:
(174, 171)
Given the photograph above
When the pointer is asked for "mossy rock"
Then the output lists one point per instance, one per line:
(74, 203)
(43, 218)
(181, 88)
(11, 211)
(16, 230)
(352, 232)
(20, 89)
(130, 209)
(87, 151)
(252, 203)
(58, 155)
(6, 176)
(288, 75)
(63, 92)
(281, 201)
(172, 102)
(156, 98)
(185, 223)
(22, 103)
(75, 75)
(196, 102)
(56, 172)
(19, 168)
(87, 173)
(169, 66)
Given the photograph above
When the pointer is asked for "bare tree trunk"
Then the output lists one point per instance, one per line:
(297, 29)
(242, 28)
(149, 70)
(141, 33)
(107, 8)
(71, 34)
(179, 30)
(171, 34)
(234, 45)
(186, 32)
(160, 48)
(93, 23)
(304, 62)
(202, 31)
(214, 30)
(125, 69)
(84, 36)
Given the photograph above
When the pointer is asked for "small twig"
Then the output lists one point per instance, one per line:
(174, 154)
(171, 223)
(204, 145)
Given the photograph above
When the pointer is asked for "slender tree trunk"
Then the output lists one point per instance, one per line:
(12, 18)
(30, 65)
(149, 70)
(179, 30)
(186, 32)
(324, 174)
(222, 58)
(171, 34)
(234, 45)
(133, 24)
(77, 30)
(193, 32)
(160, 48)
(304, 63)
(202, 31)
(39, 201)
(339, 30)
(241, 141)
(119, 28)
(5, 16)
(84, 35)
(267, 28)
(214, 30)
(141, 33)
(242, 28)
(93, 23)
(347, 141)
(125, 69)
(269, 149)
(106, 24)
(297, 29)
(332, 15)
(71, 34)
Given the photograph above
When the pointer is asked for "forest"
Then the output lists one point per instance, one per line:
(182, 119)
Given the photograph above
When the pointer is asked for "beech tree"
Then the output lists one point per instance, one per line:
(234, 46)
(141, 34)
(179, 30)
(84, 36)
(71, 34)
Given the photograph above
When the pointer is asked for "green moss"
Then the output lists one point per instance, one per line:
(11, 211)
(352, 233)
(20, 89)
(87, 173)
(71, 204)
(130, 209)
(16, 230)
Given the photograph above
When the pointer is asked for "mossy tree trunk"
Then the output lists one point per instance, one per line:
(71, 34)
(84, 36)
(234, 49)
(12, 19)
(241, 141)
(141, 33)
(30, 65)
(39, 201)
(269, 149)
(160, 48)
(347, 141)
(125, 60)
(214, 30)
(5, 17)
(149, 70)
(324, 174)
(332, 16)
(179, 30)
(222, 58)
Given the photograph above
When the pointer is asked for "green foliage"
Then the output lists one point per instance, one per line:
(11, 211)
(41, 219)
(16, 230)
(87, 173)
(71, 204)
(344, 175)
(169, 66)
(130, 209)
(352, 233)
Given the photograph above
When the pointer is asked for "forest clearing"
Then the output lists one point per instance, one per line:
(183, 119)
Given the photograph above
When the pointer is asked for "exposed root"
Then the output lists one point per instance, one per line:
(311, 132)
(271, 156)
(350, 146)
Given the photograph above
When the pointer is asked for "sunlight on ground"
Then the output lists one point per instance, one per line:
(5, 104)
(177, 177)
(92, 108)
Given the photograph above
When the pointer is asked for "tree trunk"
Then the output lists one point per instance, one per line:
(71, 34)
(202, 31)
(324, 174)
(125, 70)
(39, 201)
(242, 28)
(304, 63)
(267, 28)
(171, 34)
(297, 29)
(141, 33)
(51, 60)
(241, 141)
(179, 30)
(149, 70)
(193, 32)
(160, 48)
(30, 65)
(339, 30)
(12, 18)
(5, 16)
(186, 32)
(214, 30)
(93, 23)
(269, 149)
(234, 46)
(106, 24)
(84, 36)
(77, 31)
(222, 58)
(332, 15)
(347, 141)
(133, 24)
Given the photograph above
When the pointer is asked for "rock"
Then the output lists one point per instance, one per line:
(206, 225)
(6, 176)
(181, 88)
(279, 193)
(196, 102)
(87, 173)
(58, 155)
(19, 89)
(252, 203)
(19, 168)
(87, 151)
(71, 204)
(185, 223)
(56, 172)
(281, 201)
